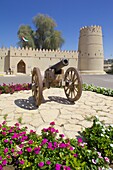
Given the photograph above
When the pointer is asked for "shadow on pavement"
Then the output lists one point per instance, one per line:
(28, 104)
(60, 100)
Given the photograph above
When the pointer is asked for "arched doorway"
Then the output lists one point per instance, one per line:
(21, 67)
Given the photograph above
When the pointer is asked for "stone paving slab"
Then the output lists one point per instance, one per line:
(69, 118)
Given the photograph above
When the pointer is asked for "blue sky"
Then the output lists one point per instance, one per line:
(70, 16)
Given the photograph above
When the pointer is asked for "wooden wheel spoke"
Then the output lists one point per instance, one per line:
(76, 85)
(66, 89)
(33, 86)
(71, 74)
(69, 91)
(73, 92)
(76, 89)
(73, 78)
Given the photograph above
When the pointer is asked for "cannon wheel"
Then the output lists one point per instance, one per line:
(37, 86)
(73, 84)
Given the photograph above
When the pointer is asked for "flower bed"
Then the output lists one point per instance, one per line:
(51, 151)
(11, 88)
(101, 90)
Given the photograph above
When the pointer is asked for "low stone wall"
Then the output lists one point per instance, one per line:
(38, 58)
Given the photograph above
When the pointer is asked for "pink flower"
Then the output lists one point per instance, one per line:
(21, 162)
(79, 140)
(8, 156)
(57, 166)
(75, 155)
(11, 142)
(5, 141)
(57, 131)
(37, 152)
(10, 130)
(106, 159)
(99, 155)
(16, 124)
(14, 136)
(52, 130)
(21, 145)
(4, 162)
(25, 137)
(12, 150)
(48, 162)
(23, 133)
(49, 145)
(20, 152)
(66, 168)
(29, 149)
(31, 131)
(55, 144)
(62, 145)
(4, 122)
(71, 148)
(4, 133)
(37, 148)
(52, 123)
(44, 141)
(30, 141)
(45, 130)
(5, 150)
(41, 164)
(61, 135)
(1, 168)
(4, 129)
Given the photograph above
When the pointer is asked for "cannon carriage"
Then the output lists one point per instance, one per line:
(54, 76)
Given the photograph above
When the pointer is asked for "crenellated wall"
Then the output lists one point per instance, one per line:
(88, 59)
(30, 58)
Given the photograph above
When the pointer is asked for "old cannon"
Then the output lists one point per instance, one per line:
(54, 77)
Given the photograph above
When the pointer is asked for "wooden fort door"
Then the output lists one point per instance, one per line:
(21, 67)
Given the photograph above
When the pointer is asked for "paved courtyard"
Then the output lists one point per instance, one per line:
(69, 118)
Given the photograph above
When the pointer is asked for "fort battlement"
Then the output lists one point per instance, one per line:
(41, 53)
(88, 57)
(28, 58)
(4, 52)
(93, 28)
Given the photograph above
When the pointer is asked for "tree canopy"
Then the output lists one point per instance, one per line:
(44, 37)
(27, 33)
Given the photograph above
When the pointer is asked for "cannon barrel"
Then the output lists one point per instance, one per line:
(58, 66)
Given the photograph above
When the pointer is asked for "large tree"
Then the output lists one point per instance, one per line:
(45, 36)
(26, 36)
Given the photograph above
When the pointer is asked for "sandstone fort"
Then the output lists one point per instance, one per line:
(89, 57)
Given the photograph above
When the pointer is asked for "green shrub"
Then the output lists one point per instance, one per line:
(101, 90)
(100, 137)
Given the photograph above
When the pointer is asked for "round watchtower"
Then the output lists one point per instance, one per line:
(91, 55)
